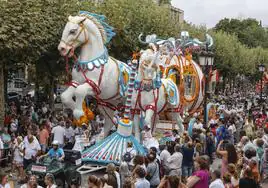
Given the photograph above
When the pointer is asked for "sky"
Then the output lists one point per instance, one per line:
(209, 12)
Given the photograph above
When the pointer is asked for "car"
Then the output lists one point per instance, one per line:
(64, 172)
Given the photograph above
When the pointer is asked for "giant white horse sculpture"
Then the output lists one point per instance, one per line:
(95, 73)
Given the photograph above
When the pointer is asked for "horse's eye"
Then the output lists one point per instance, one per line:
(73, 31)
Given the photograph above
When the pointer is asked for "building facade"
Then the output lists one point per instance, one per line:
(176, 13)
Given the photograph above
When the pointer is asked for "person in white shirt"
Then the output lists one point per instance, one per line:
(31, 149)
(69, 133)
(59, 133)
(175, 162)
(216, 180)
(198, 124)
(164, 155)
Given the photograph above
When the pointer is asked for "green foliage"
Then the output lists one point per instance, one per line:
(132, 17)
(164, 2)
(249, 31)
(232, 57)
(30, 27)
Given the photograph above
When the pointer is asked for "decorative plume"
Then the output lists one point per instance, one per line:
(102, 19)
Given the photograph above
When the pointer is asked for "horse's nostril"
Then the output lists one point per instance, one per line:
(62, 49)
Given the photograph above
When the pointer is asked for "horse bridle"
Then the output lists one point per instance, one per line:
(72, 42)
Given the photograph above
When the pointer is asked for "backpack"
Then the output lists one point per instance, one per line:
(127, 156)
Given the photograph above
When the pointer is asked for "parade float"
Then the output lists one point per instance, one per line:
(164, 79)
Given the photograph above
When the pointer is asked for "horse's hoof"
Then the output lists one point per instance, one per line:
(78, 113)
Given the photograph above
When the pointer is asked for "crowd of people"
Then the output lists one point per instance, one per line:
(230, 152)
(32, 132)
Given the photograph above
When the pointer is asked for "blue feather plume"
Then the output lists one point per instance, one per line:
(101, 18)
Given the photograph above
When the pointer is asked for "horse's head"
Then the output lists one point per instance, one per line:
(74, 34)
(87, 28)
(149, 64)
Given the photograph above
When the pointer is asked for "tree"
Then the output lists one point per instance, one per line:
(29, 28)
(249, 31)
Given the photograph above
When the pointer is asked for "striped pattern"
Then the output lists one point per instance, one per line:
(111, 149)
(130, 90)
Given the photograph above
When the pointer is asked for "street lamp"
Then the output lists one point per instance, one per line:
(206, 59)
(261, 69)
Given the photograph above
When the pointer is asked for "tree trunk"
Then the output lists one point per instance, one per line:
(51, 93)
(223, 84)
(2, 94)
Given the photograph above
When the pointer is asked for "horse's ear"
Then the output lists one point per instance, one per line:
(70, 18)
(81, 20)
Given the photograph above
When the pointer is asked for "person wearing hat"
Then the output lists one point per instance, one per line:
(55, 152)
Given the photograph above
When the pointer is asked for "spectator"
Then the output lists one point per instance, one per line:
(210, 145)
(227, 180)
(31, 149)
(18, 156)
(198, 151)
(175, 162)
(69, 135)
(200, 177)
(13, 125)
(58, 133)
(124, 171)
(129, 183)
(31, 183)
(6, 138)
(104, 183)
(228, 154)
(171, 181)
(216, 180)
(234, 175)
(255, 171)
(139, 161)
(265, 137)
(4, 181)
(164, 155)
(152, 171)
(49, 181)
(43, 138)
(260, 152)
(93, 182)
(187, 161)
(1, 148)
(112, 176)
(247, 180)
(130, 153)
(141, 182)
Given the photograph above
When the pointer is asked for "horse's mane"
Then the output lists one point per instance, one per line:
(99, 20)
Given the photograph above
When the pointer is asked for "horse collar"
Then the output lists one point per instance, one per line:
(94, 63)
(148, 85)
